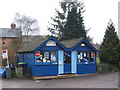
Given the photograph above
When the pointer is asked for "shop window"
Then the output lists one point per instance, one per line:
(67, 58)
(39, 57)
(53, 56)
(86, 57)
(46, 56)
(92, 56)
(83, 57)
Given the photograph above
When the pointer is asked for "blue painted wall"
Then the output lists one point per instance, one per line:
(83, 48)
(67, 68)
(44, 70)
(29, 59)
(57, 47)
(83, 68)
(86, 68)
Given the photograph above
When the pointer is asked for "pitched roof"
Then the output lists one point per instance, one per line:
(33, 45)
(97, 46)
(8, 32)
(70, 43)
(30, 38)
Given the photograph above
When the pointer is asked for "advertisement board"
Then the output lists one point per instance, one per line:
(5, 54)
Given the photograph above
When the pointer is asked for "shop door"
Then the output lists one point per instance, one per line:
(60, 62)
(67, 62)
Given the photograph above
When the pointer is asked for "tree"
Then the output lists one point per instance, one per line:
(69, 24)
(27, 24)
(74, 27)
(56, 28)
(108, 49)
(118, 54)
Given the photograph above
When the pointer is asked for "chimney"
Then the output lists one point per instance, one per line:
(13, 26)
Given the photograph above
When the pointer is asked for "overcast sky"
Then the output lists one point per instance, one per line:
(97, 15)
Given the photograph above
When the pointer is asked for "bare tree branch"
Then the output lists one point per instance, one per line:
(27, 24)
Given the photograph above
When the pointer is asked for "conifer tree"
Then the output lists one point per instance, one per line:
(108, 49)
(69, 24)
(74, 27)
(118, 54)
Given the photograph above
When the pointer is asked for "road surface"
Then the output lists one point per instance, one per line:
(108, 80)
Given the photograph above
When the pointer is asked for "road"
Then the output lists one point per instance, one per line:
(109, 80)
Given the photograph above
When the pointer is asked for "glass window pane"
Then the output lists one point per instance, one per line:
(46, 56)
(92, 56)
(67, 57)
(83, 57)
(53, 56)
(80, 56)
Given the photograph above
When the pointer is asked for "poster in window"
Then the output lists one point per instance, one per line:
(37, 54)
(46, 55)
(41, 57)
(92, 54)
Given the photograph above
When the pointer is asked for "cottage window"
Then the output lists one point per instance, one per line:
(3, 42)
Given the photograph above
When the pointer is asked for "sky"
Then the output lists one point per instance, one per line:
(96, 17)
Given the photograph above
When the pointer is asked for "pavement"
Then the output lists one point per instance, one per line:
(108, 80)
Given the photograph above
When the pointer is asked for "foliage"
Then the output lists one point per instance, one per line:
(69, 21)
(97, 60)
(103, 68)
(74, 28)
(118, 54)
(108, 49)
(27, 24)
(59, 20)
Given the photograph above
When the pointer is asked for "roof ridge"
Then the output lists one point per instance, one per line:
(70, 43)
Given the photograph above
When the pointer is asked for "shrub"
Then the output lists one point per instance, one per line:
(104, 67)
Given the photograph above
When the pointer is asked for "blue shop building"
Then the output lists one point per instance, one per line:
(48, 56)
